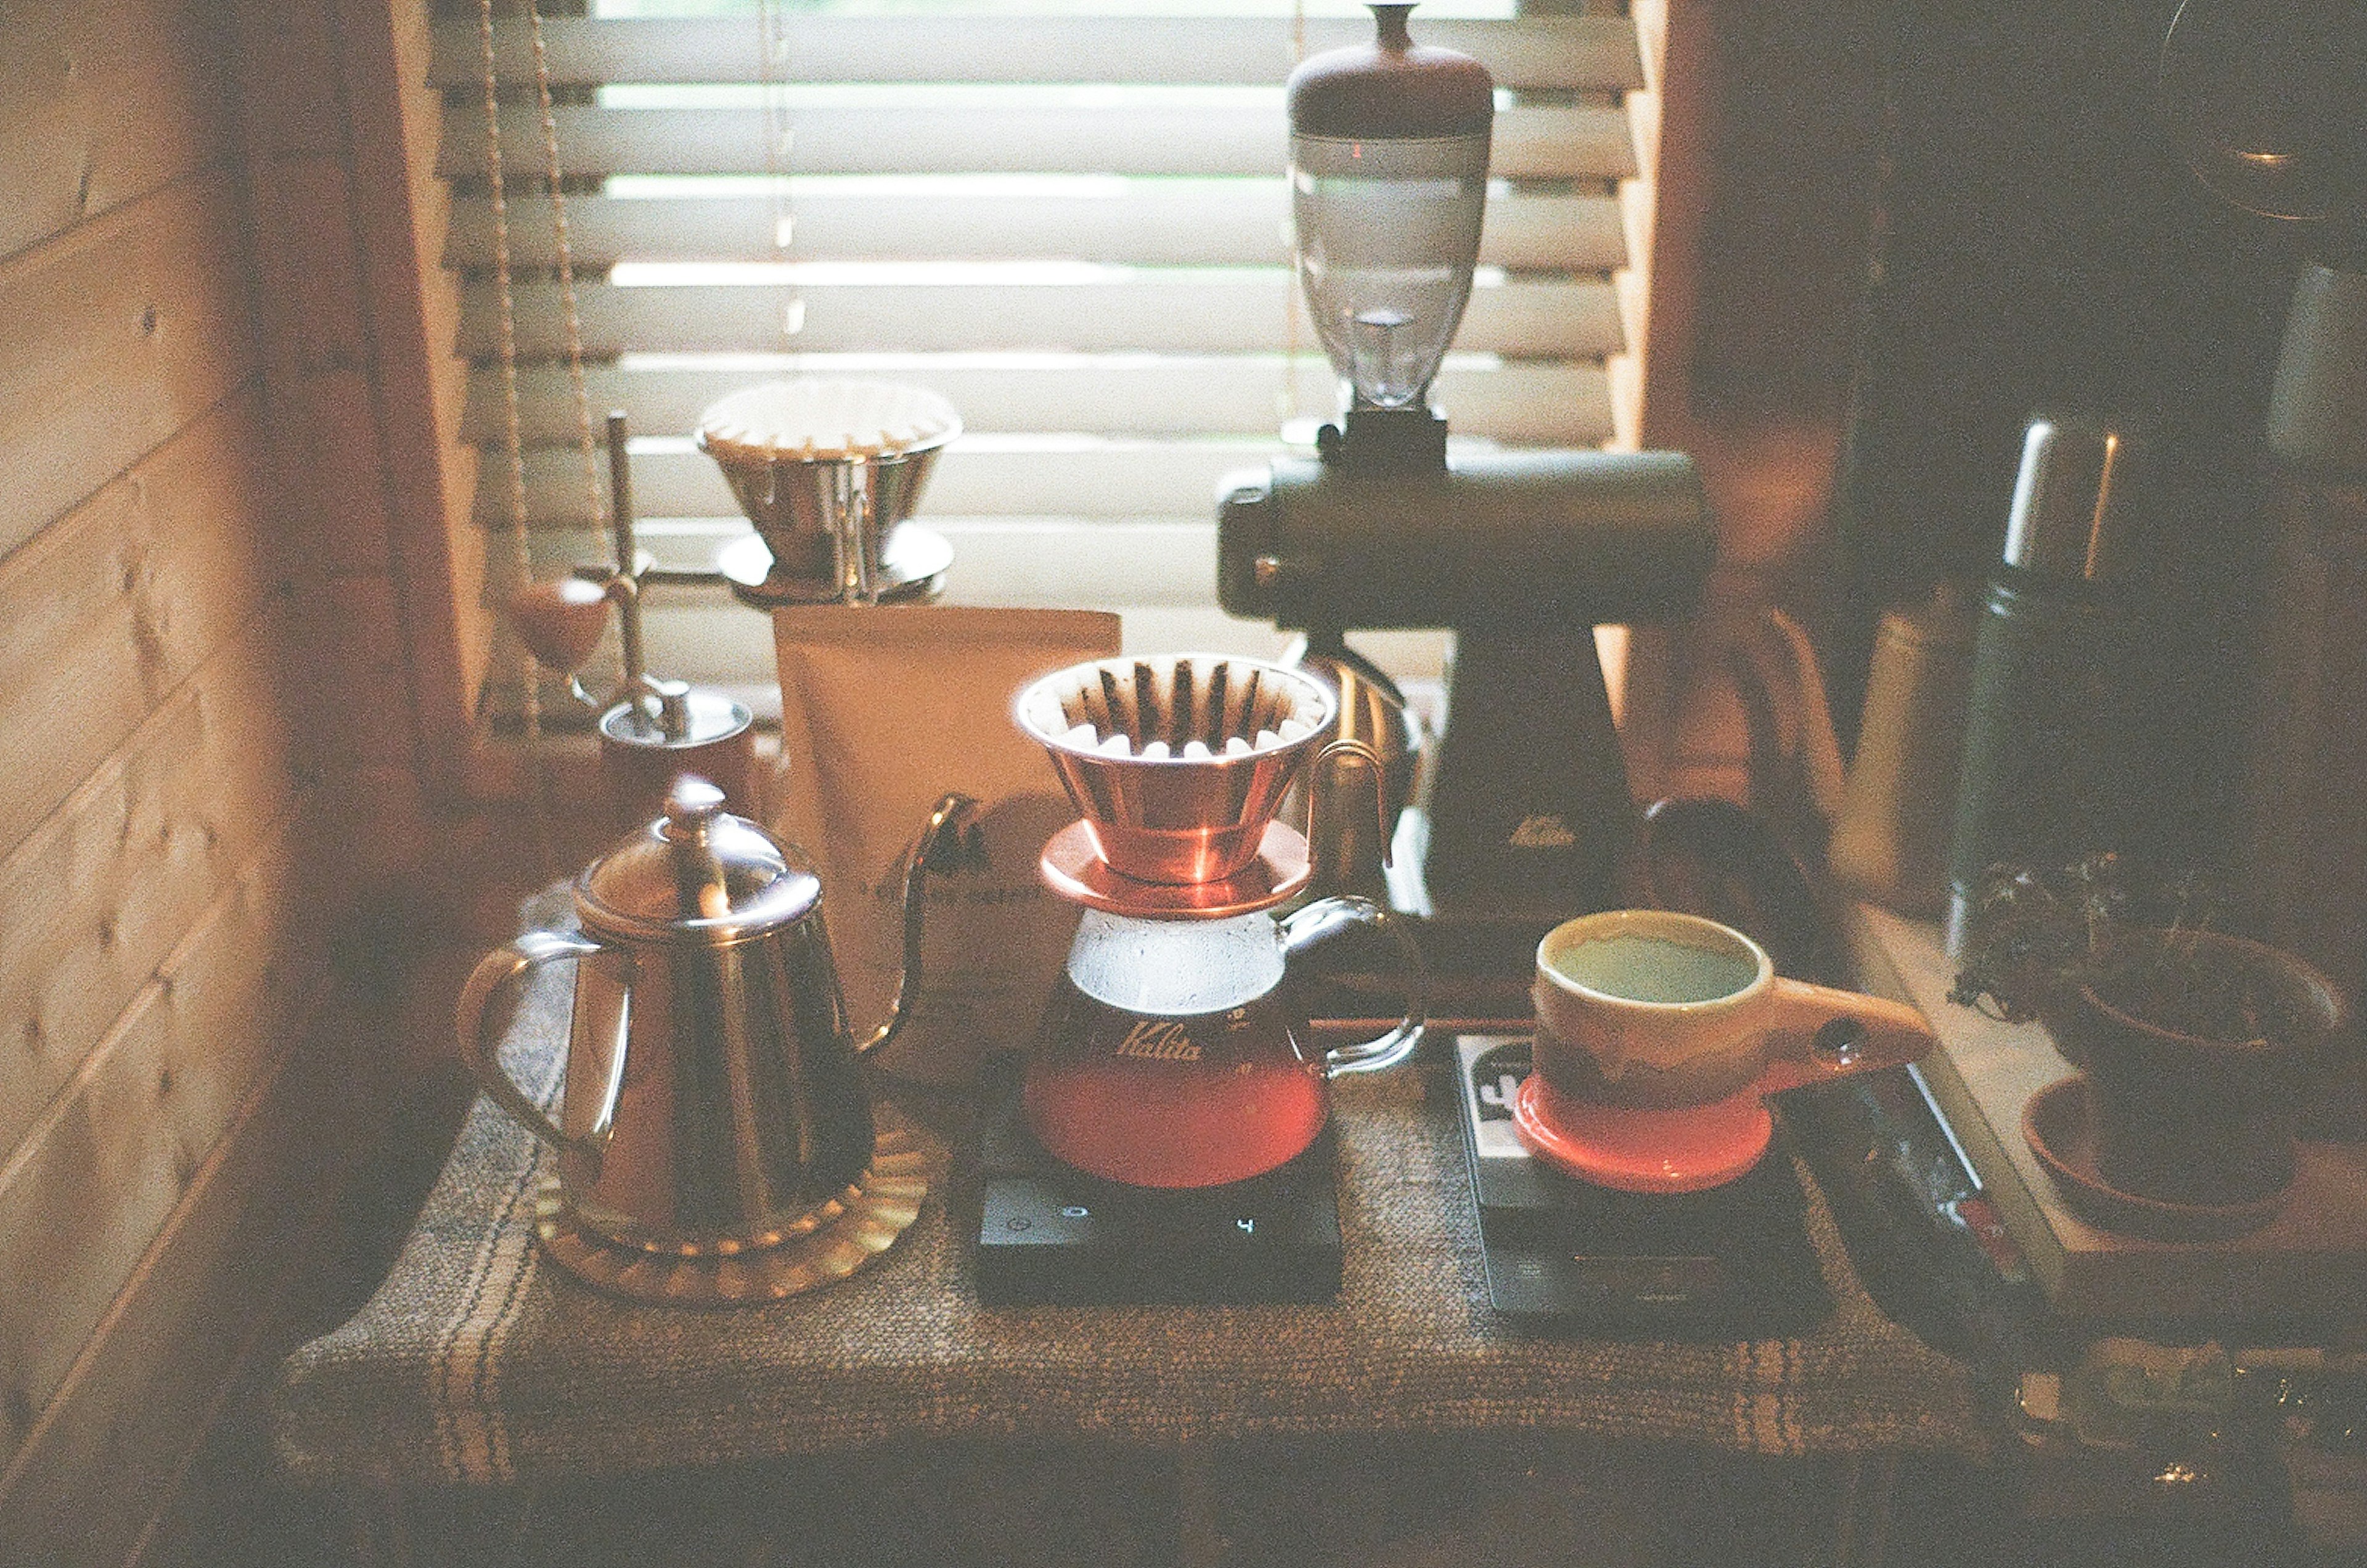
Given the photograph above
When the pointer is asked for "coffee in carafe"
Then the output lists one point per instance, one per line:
(1214, 1087)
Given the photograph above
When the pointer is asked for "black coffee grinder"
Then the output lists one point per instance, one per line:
(1524, 810)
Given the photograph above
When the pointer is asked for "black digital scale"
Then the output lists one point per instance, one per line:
(1732, 1262)
(1048, 1232)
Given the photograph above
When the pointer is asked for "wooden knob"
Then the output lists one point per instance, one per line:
(561, 622)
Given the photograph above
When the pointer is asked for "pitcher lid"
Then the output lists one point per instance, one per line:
(697, 873)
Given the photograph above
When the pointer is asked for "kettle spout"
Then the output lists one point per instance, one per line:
(938, 848)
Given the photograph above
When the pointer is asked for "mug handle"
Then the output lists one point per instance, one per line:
(1326, 917)
(1895, 1034)
(493, 971)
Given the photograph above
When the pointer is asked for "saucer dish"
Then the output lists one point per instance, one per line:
(2058, 1125)
(913, 571)
(1681, 1149)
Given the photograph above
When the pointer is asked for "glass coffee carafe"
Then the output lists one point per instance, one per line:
(1173, 1054)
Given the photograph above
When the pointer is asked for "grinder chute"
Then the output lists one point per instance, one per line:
(1524, 812)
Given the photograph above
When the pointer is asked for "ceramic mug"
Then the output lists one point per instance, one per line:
(1659, 1033)
(1651, 1007)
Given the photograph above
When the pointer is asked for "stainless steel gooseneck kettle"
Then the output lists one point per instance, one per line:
(713, 1102)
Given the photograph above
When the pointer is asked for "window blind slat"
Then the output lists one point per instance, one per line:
(1174, 222)
(1155, 138)
(1182, 313)
(1101, 479)
(706, 639)
(713, 641)
(1141, 560)
(1587, 53)
(1546, 403)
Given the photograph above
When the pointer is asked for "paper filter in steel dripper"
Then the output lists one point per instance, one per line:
(828, 471)
(1179, 762)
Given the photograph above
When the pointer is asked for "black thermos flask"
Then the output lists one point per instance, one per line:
(2054, 762)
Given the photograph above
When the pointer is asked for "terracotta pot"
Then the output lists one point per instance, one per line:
(2189, 1117)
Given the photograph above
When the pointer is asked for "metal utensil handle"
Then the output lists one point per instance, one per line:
(493, 971)
(1320, 921)
(939, 836)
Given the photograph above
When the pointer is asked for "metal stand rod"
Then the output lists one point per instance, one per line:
(627, 581)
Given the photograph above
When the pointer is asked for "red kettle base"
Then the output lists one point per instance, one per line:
(1687, 1149)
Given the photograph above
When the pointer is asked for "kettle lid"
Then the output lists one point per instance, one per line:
(699, 873)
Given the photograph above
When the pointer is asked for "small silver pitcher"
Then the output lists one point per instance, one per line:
(713, 1102)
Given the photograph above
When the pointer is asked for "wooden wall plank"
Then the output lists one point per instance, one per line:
(123, 331)
(108, 611)
(99, 895)
(100, 104)
(185, 1324)
(401, 211)
(95, 1181)
(360, 685)
(287, 77)
(304, 244)
(344, 471)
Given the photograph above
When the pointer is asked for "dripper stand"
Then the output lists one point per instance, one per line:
(651, 729)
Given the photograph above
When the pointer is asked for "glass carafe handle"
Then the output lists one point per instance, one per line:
(1320, 921)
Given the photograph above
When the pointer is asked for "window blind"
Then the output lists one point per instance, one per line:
(1074, 227)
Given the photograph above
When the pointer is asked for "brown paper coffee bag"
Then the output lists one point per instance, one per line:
(883, 710)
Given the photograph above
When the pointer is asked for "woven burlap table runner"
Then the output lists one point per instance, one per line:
(479, 1361)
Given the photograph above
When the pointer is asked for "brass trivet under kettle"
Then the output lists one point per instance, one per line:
(838, 1238)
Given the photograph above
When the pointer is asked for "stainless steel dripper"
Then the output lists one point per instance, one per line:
(828, 472)
(713, 1102)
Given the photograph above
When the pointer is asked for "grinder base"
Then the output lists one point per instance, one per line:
(1048, 1234)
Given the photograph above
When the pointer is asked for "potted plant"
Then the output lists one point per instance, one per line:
(2194, 1041)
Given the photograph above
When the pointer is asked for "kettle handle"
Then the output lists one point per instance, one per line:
(939, 836)
(493, 971)
(1326, 917)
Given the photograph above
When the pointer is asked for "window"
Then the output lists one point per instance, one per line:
(1070, 221)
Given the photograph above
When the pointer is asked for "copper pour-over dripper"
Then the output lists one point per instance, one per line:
(1179, 762)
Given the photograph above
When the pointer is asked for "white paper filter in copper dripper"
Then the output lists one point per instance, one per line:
(1179, 762)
